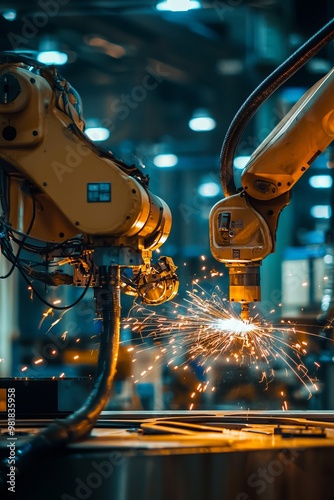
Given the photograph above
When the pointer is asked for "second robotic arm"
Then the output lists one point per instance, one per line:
(243, 226)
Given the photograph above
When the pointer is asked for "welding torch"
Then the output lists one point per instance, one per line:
(242, 226)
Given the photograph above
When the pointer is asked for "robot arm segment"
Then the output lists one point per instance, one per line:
(290, 149)
(63, 187)
(243, 226)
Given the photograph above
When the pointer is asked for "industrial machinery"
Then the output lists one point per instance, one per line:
(88, 209)
(243, 225)
(67, 201)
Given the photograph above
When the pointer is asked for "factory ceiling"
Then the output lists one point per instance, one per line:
(211, 57)
(143, 73)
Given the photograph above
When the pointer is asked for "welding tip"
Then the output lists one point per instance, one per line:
(244, 314)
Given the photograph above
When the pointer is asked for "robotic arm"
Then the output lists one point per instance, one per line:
(243, 226)
(66, 201)
(69, 201)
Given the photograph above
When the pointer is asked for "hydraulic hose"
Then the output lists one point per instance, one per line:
(79, 424)
(279, 76)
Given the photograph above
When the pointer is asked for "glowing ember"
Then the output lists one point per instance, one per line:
(207, 330)
(206, 334)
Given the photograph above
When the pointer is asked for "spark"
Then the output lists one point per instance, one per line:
(206, 329)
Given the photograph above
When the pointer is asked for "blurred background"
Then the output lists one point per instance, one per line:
(160, 83)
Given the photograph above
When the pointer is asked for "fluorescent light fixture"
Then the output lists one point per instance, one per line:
(178, 5)
(9, 15)
(202, 124)
(320, 181)
(240, 162)
(97, 134)
(165, 160)
(52, 57)
(201, 121)
(209, 189)
(321, 211)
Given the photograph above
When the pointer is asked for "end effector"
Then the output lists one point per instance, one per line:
(241, 238)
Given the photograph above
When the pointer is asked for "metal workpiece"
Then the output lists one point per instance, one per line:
(202, 456)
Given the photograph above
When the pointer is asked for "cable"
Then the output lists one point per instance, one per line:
(260, 94)
(38, 249)
(44, 277)
(21, 242)
(53, 306)
(79, 424)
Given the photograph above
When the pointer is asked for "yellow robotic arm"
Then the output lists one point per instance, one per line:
(80, 203)
(66, 201)
(243, 226)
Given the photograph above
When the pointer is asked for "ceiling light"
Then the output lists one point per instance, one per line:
(202, 121)
(97, 134)
(178, 5)
(240, 162)
(52, 57)
(165, 160)
(209, 189)
(9, 15)
(321, 211)
(328, 258)
(320, 181)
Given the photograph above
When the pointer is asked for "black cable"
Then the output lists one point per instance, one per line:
(4, 190)
(25, 270)
(53, 306)
(279, 76)
(21, 242)
(79, 424)
(41, 249)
